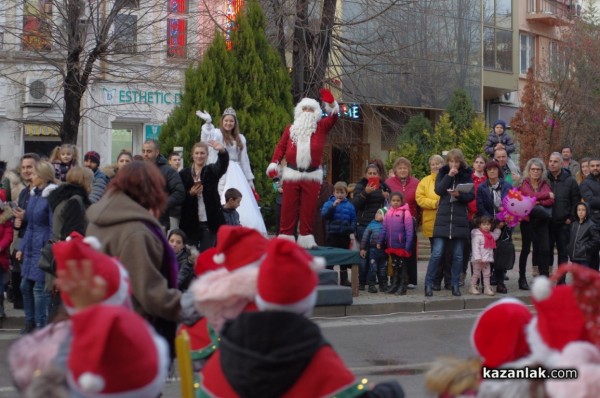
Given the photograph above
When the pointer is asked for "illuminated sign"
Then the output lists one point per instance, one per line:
(232, 8)
(349, 111)
(40, 130)
(37, 22)
(155, 97)
(176, 29)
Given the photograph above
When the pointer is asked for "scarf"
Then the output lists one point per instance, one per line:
(170, 266)
(496, 194)
(488, 240)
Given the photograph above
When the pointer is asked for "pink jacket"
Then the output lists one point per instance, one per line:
(478, 252)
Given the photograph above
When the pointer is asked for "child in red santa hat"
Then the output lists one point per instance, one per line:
(278, 351)
(81, 269)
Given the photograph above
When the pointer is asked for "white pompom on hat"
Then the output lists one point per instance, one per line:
(499, 333)
(287, 280)
(115, 352)
(77, 248)
(238, 247)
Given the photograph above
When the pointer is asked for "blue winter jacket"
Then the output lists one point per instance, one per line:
(341, 219)
(398, 229)
(371, 235)
(485, 199)
(39, 230)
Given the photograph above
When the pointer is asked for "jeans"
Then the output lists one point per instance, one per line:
(35, 302)
(208, 239)
(437, 253)
(377, 265)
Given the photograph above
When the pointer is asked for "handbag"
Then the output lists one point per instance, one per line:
(540, 212)
(47, 263)
(504, 253)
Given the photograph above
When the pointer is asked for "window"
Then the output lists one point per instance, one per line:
(125, 33)
(135, 4)
(37, 20)
(497, 34)
(558, 61)
(177, 29)
(527, 59)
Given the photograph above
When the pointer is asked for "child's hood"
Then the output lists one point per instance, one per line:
(332, 199)
(587, 210)
(392, 210)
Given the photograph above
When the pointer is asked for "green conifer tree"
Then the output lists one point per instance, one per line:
(251, 79)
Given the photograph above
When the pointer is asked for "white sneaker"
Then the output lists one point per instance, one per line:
(411, 286)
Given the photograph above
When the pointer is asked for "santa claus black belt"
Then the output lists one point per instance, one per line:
(302, 170)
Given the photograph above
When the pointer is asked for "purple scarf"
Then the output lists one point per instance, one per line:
(170, 265)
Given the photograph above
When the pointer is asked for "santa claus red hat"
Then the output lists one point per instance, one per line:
(206, 263)
(287, 279)
(77, 248)
(239, 246)
(114, 352)
(586, 288)
(499, 335)
(559, 319)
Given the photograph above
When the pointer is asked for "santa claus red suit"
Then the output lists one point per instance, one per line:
(302, 146)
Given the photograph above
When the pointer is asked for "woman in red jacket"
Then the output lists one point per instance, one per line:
(6, 237)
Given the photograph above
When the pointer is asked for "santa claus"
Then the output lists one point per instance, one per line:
(302, 145)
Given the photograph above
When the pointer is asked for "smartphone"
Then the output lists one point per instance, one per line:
(13, 204)
(373, 181)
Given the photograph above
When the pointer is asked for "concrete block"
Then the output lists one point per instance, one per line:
(385, 308)
(330, 311)
(444, 304)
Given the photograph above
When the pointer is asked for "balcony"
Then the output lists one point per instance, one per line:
(551, 12)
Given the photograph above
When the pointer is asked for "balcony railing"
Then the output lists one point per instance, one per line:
(551, 12)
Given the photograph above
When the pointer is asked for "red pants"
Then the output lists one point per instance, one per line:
(299, 202)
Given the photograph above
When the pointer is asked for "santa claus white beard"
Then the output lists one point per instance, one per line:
(300, 132)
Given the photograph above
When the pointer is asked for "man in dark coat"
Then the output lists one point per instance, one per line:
(590, 192)
(174, 187)
(566, 197)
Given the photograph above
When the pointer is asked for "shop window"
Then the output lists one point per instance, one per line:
(121, 139)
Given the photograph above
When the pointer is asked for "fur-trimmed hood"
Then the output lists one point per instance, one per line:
(46, 191)
(67, 191)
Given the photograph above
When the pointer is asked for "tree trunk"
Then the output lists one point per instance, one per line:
(323, 48)
(300, 50)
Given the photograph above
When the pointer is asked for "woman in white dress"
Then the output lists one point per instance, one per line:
(239, 174)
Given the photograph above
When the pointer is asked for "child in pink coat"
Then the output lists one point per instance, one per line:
(483, 243)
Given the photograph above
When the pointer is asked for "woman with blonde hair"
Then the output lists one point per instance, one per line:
(36, 300)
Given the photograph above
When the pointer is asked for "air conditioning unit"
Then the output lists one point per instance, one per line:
(37, 93)
(510, 98)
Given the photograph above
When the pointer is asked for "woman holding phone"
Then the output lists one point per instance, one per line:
(201, 209)
(370, 194)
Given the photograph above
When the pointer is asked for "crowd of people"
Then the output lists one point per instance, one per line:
(157, 218)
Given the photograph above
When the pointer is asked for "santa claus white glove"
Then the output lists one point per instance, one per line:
(188, 315)
(273, 170)
(204, 116)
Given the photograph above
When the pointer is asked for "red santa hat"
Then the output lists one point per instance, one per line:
(559, 319)
(77, 248)
(114, 352)
(287, 280)
(585, 286)
(499, 335)
(206, 263)
(238, 247)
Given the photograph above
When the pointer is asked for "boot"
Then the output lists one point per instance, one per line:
(344, 279)
(2, 313)
(28, 328)
(383, 285)
(473, 289)
(523, 285)
(372, 288)
(535, 271)
(487, 290)
(403, 281)
(395, 282)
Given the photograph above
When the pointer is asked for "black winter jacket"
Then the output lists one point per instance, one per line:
(210, 175)
(566, 196)
(232, 217)
(68, 203)
(174, 189)
(366, 205)
(584, 239)
(590, 192)
(451, 220)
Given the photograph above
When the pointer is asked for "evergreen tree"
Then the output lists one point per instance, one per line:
(530, 124)
(413, 144)
(461, 112)
(251, 79)
(472, 141)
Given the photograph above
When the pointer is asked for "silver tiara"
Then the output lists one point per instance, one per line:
(229, 111)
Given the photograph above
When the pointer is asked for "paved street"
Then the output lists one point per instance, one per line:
(378, 347)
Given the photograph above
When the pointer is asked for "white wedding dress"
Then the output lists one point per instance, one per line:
(237, 176)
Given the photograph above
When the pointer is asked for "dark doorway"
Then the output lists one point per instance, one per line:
(340, 165)
(42, 148)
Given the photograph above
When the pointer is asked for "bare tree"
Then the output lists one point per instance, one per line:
(73, 43)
